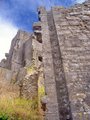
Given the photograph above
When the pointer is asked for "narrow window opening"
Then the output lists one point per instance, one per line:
(39, 15)
(39, 37)
(39, 12)
(39, 18)
(24, 63)
(40, 58)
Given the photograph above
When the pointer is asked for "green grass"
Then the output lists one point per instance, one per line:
(19, 109)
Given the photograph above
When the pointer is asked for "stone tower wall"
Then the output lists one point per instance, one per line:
(73, 31)
(66, 49)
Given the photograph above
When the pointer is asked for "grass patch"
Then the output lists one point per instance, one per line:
(19, 109)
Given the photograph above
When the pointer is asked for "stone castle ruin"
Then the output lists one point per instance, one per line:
(60, 51)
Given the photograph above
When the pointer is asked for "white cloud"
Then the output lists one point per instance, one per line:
(7, 32)
(80, 1)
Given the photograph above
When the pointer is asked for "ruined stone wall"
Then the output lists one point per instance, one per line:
(8, 89)
(37, 44)
(66, 49)
(23, 66)
(19, 62)
(28, 77)
(20, 53)
(61, 44)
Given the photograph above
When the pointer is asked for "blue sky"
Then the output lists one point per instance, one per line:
(20, 14)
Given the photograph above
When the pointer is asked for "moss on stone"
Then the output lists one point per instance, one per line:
(31, 69)
(41, 91)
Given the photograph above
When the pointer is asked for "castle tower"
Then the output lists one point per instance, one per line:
(66, 58)
(61, 45)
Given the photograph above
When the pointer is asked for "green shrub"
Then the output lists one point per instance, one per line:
(3, 116)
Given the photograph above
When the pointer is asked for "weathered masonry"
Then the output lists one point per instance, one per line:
(61, 45)
(65, 37)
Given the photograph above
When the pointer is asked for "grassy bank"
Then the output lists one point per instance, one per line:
(19, 109)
